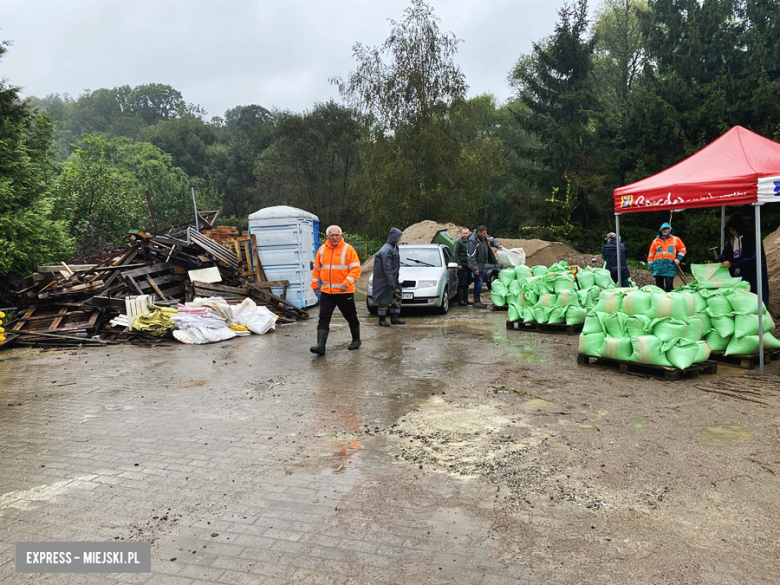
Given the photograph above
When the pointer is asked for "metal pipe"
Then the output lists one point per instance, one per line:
(759, 291)
(195, 205)
(617, 235)
(722, 227)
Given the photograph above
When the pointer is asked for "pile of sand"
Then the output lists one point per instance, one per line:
(536, 251)
(772, 249)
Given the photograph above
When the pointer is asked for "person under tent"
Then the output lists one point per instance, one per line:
(739, 255)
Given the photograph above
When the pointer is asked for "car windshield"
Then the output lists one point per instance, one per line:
(420, 256)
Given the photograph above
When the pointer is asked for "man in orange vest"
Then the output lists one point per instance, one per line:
(336, 270)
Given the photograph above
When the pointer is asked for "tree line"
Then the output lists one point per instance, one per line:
(597, 104)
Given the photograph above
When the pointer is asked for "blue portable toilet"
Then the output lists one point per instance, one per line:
(287, 240)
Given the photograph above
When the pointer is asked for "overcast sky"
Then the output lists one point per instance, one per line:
(224, 53)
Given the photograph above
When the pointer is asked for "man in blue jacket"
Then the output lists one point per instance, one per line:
(609, 254)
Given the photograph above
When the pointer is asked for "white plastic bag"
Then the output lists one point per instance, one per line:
(258, 319)
(513, 257)
(198, 335)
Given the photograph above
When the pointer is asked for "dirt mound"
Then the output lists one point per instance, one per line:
(772, 249)
(536, 251)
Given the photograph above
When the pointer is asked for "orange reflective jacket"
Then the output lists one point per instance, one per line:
(334, 267)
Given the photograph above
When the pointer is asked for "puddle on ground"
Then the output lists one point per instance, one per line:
(344, 455)
(725, 434)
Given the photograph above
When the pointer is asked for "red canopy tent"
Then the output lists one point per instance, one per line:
(739, 168)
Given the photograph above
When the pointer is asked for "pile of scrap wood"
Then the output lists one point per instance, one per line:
(75, 307)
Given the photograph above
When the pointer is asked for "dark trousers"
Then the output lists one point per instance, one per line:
(477, 286)
(623, 275)
(665, 282)
(346, 304)
(464, 277)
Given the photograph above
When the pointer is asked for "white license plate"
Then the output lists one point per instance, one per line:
(406, 296)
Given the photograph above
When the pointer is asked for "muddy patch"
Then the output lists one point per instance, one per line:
(485, 441)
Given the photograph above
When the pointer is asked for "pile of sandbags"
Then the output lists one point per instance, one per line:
(551, 295)
(680, 328)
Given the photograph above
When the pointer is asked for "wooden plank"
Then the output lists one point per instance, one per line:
(153, 284)
(671, 374)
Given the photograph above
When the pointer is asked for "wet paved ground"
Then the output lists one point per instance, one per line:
(251, 461)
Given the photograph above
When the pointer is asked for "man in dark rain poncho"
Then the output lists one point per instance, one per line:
(386, 288)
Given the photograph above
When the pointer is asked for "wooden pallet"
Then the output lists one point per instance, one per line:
(535, 327)
(662, 372)
(497, 308)
(249, 265)
(747, 362)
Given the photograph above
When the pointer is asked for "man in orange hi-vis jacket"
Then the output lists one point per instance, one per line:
(336, 270)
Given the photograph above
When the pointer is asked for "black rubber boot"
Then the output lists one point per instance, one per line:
(462, 296)
(355, 337)
(478, 304)
(322, 339)
(383, 321)
(395, 319)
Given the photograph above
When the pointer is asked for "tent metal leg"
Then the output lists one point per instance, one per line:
(722, 227)
(759, 291)
(617, 233)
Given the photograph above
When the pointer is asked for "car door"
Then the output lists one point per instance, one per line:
(452, 273)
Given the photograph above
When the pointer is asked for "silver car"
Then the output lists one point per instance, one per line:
(428, 275)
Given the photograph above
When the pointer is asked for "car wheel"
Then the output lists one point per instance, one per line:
(445, 303)
(372, 310)
(493, 276)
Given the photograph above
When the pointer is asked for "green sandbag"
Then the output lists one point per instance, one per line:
(497, 299)
(699, 302)
(673, 304)
(648, 349)
(713, 276)
(564, 283)
(515, 312)
(703, 353)
(506, 276)
(743, 301)
(557, 316)
(510, 298)
(610, 301)
(592, 344)
(575, 315)
(586, 278)
(522, 272)
(542, 285)
(636, 302)
(539, 270)
(683, 353)
(637, 325)
(748, 345)
(499, 287)
(748, 325)
(652, 289)
(592, 323)
(615, 324)
(568, 298)
(719, 304)
(695, 329)
(716, 342)
(541, 314)
(514, 287)
(668, 329)
(706, 323)
(588, 297)
(531, 297)
(603, 278)
(723, 325)
(547, 300)
(559, 267)
(528, 314)
(618, 348)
